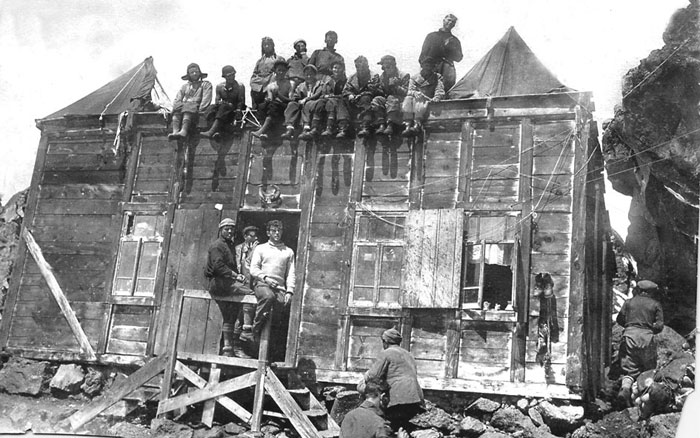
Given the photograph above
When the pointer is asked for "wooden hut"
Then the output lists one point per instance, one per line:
(451, 238)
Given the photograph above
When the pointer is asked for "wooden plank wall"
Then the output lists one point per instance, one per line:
(494, 167)
(441, 169)
(77, 195)
(553, 168)
(331, 227)
(387, 172)
(274, 163)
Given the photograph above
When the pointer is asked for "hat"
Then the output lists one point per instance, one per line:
(250, 228)
(298, 41)
(187, 72)
(647, 286)
(227, 222)
(310, 67)
(387, 58)
(392, 336)
(280, 62)
(227, 70)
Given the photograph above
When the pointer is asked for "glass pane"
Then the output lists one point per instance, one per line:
(473, 229)
(363, 294)
(498, 275)
(145, 226)
(400, 227)
(492, 228)
(384, 229)
(122, 286)
(363, 228)
(389, 295)
(472, 261)
(471, 294)
(145, 286)
(390, 269)
(127, 258)
(365, 261)
(149, 260)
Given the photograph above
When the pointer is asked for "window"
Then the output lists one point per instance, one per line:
(139, 253)
(489, 262)
(377, 259)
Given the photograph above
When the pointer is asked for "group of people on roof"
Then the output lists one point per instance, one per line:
(312, 95)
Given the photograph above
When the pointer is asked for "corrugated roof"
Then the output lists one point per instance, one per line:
(115, 96)
(509, 68)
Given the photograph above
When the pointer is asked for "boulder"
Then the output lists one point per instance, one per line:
(483, 406)
(495, 434)
(664, 425)
(162, 427)
(434, 418)
(561, 419)
(471, 427)
(128, 430)
(93, 383)
(535, 416)
(22, 376)
(234, 429)
(214, 432)
(622, 424)
(68, 379)
(523, 404)
(509, 419)
(345, 401)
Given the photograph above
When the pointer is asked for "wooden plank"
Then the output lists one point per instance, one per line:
(81, 191)
(87, 146)
(482, 371)
(289, 407)
(83, 177)
(555, 374)
(129, 333)
(133, 348)
(57, 293)
(152, 368)
(555, 264)
(494, 190)
(206, 393)
(224, 401)
(209, 405)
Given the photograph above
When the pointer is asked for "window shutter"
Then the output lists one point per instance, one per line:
(433, 259)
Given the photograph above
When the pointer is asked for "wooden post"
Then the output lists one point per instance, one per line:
(256, 420)
(58, 295)
(171, 352)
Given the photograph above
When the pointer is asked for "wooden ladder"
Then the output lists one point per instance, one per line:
(307, 415)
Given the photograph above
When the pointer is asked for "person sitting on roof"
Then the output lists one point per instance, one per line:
(263, 72)
(445, 48)
(393, 85)
(229, 102)
(425, 87)
(279, 94)
(335, 105)
(306, 104)
(297, 62)
(323, 58)
(192, 98)
(359, 91)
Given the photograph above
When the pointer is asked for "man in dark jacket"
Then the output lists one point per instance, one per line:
(367, 420)
(397, 368)
(324, 58)
(642, 317)
(224, 279)
(445, 48)
(229, 103)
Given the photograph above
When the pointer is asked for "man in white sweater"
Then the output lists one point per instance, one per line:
(272, 271)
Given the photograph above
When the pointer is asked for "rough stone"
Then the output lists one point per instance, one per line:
(22, 376)
(234, 429)
(471, 427)
(523, 404)
(511, 420)
(162, 427)
(93, 383)
(128, 430)
(664, 425)
(561, 419)
(535, 416)
(622, 424)
(434, 418)
(483, 406)
(345, 401)
(495, 434)
(214, 432)
(68, 379)
(426, 433)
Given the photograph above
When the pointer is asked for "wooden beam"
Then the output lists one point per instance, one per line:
(206, 393)
(61, 300)
(113, 395)
(203, 294)
(218, 360)
(200, 383)
(259, 378)
(289, 407)
(173, 327)
(209, 405)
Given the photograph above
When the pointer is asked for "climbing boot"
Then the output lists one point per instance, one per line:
(186, 125)
(381, 128)
(238, 350)
(315, 128)
(213, 130)
(289, 133)
(624, 397)
(407, 129)
(343, 129)
(330, 128)
(177, 122)
(262, 132)
(306, 133)
(389, 129)
(227, 332)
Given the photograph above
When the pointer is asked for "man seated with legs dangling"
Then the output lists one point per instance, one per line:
(192, 98)
(229, 104)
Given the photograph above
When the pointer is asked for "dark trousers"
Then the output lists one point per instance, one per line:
(271, 307)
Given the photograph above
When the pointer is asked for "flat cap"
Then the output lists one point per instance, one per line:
(227, 222)
(647, 285)
(387, 58)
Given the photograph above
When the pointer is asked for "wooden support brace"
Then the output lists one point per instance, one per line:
(61, 300)
(206, 393)
(289, 407)
(152, 368)
(209, 405)
(224, 401)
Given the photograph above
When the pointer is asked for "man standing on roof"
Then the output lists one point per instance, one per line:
(397, 368)
(297, 62)
(192, 98)
(224, 280)
(272, 271)
(642, 317)
(323, 58)
(229, 103)
(445, 48)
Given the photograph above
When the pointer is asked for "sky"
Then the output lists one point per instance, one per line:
(56, 52)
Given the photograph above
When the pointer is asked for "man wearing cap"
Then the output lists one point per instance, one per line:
(445, 48)
(273, 274)
(297, 62)
(225, 280)
(192, 98)
(360, 89)
(307, 105)
(229, 102)
(323, 58)
(423, 88)
(243, 329)
(263, 71)
(642, 317)
(367, 420)
(397, 368)
(393, 85)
